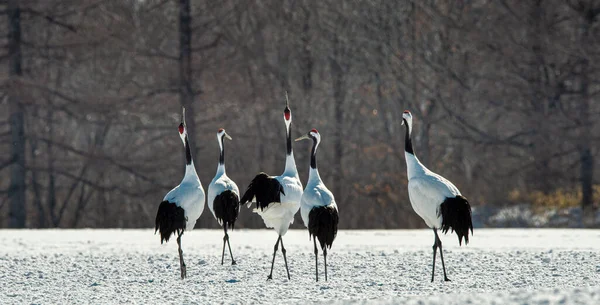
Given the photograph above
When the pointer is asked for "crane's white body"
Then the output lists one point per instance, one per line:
(218, 185)
(279, 215)
(435, 199)
(315, 194)
(189, 195)
(427, 190)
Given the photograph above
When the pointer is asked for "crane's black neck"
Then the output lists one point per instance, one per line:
(289, 140)
(313, 156)
(188, 152)
(222, 156)
(408, 147)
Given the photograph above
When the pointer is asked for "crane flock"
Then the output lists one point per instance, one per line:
(278, 198)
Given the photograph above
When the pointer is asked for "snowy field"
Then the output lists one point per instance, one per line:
(499, 266)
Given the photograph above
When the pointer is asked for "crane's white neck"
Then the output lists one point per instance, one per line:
(190, 169)
(290, 162)
(414, 167)
(190, 174)
(408, 147)
(290, 166)
(313, 175)
(221, 166)
(220, 170)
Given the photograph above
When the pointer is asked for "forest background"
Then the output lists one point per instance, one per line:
(504, 94)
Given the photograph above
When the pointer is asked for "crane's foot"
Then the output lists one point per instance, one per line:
(446, 279)
(233, 263)
(270, 277)
(183, 272)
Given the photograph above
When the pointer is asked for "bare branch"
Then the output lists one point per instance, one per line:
(210, 45)
(50, 19)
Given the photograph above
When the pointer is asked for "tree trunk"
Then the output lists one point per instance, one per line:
(424, 150)
(306, 54)
(51, 200)
(35, 185)
(17, 185)
(415, 75)
(338, 97)
(587, 176)
(186, 86)
(585, 151)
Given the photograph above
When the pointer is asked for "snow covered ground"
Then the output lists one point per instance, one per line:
(499, 266)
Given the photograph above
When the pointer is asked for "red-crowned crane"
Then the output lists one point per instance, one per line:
(435, 199)
(223, 196)
(317, 206)
(277, 197)
(184, 204)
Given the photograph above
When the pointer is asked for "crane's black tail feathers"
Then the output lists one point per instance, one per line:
(266, 190)
(323, 224)
(456, 215)
(227, 208)
(170, 219)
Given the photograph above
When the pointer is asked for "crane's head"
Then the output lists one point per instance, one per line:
(287, 113)
(314, 135)
(222, 134)
(183, 127)
(407, 119)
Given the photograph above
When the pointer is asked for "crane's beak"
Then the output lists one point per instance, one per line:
(304, 137)
(227, 137)
(402, 123)
(287, 101)
(183, 116)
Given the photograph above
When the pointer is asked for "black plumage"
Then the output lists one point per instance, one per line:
(170, 219)
(266, 190)
(323, 224)
(227, 208)
(456, 215)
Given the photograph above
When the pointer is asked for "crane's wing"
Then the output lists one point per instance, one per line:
(233, 187)
(318, 195)
(265, 189)
(426, 194)
(431, 188)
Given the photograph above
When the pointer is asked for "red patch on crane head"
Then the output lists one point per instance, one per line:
(287, 113)
(406, 111)
(314, 130)
(181, 128)
(220, 130)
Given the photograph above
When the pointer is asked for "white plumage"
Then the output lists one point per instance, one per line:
(316, 194)
(183, 205)
(224, 196)
(435, 199)
(427, 190)
(221, 182)
(189, 195)
(218, 185)
(277, 198)
(280, 215)
(318, 208)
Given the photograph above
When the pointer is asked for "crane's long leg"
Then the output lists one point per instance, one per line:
(439, 243)
(316, 258)
(225, 237)
(229, 245)
(325, 258)
(270, 277)
(181, 262)
(226, 240)
(435, 245)
(284, 257)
